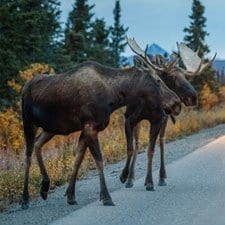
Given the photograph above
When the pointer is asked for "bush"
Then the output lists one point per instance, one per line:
(208, 99)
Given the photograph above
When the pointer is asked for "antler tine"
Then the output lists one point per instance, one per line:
(206, 65)
(197, 50)
(171, 64)
(146, 49)
(136, 49)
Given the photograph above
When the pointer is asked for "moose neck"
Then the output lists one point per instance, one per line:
(126, 86)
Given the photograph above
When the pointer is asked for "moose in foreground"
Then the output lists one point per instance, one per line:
(174, 78)
(82, 100)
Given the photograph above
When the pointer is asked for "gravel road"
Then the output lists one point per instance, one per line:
(55, 207)
(195, 195)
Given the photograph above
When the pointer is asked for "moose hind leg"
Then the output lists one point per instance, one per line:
(29, 134)
(43, 138)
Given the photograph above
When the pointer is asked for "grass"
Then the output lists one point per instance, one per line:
(59, 153)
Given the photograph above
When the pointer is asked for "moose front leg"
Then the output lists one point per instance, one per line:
(132, 118)
(154, 131)
(162, 171)
(93, 144)
(79, 155)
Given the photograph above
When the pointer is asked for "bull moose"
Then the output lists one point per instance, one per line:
(174, 78)
(82, 100)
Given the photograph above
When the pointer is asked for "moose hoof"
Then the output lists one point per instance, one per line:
(25, 205)
(44, 195)
(108, 202)
(45, 184)
(123, 179)
(162, 182)
(71, 200)
(149, 187)
(129, 184)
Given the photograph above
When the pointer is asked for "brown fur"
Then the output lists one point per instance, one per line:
(83, 99)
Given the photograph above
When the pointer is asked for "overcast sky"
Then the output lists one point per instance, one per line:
(161, 21)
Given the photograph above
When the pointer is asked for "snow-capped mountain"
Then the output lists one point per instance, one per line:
(153, 49)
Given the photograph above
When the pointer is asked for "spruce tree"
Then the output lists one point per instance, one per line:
(28, 33)
(78, 31)
(196, 33)
(195, 39)
(100, 44)
(118, 33)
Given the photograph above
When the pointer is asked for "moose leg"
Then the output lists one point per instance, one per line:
(96, 153)
(154, 131)
(162, 171)
(93, 144)
(130, 178)
(137, 129)
(43, 138)
(79, 155)
(29, 134)
(129, 137)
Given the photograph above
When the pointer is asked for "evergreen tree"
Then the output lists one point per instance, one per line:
(78, 31)
(118, 33)
(100, 47)
(196, 32)
(195, 39)
(28, 33)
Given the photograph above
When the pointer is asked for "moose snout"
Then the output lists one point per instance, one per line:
(176, 108)
(172, 107)
(191, 99)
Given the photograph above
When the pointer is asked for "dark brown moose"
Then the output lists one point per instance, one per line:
(174, 78)
(82, 100)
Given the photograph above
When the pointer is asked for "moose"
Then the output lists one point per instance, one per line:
(174, 78)
(82, 100)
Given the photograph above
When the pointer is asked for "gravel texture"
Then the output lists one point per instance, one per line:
(87, 191)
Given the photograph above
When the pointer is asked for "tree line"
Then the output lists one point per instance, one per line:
(31, 32)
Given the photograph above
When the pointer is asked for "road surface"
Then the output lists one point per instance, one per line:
(195, 194)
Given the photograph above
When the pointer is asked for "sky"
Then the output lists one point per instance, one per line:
(161, 21)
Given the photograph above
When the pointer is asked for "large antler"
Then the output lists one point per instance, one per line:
(143, 54)
(192, 62)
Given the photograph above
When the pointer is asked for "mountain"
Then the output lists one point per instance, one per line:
(153, 49)
(219, 65)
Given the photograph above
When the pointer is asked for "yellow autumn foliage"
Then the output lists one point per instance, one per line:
(208, 99)
(27, 74)
(11, 138)
(222, 94)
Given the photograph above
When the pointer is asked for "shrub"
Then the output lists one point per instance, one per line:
(208, 99)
